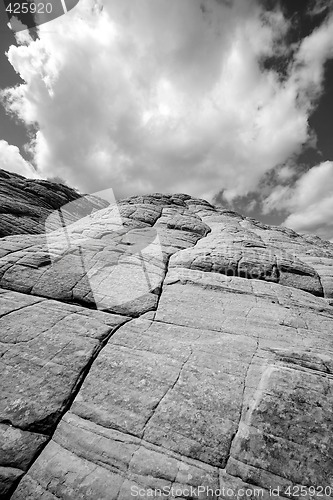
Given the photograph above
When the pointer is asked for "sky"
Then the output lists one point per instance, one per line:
(227, 100)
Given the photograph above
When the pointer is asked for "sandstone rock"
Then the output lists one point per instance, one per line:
(25, 203)
(211, 378)
(311, 250)
(45, 348)
(89, 263)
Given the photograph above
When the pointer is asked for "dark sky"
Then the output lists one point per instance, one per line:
(321, 119)
(10, 130)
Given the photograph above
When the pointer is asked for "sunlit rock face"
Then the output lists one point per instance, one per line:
(161, 344)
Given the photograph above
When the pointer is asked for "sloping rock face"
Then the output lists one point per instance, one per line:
(25, 204)
(166, 349)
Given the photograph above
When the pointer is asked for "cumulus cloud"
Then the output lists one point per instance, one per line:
(166, 96)
(12, 161)
(309, 202)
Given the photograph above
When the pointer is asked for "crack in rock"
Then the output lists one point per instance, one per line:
(165, 394)
(234, 435)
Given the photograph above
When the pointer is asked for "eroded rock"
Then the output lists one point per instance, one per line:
(213, 379)
(25, 204)
(45, 347)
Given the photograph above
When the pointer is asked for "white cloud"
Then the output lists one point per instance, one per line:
(309, 202)
(309, 62)
(160, 95)
(12, 161)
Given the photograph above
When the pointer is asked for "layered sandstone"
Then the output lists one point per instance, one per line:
(25, 204)
(165, 344)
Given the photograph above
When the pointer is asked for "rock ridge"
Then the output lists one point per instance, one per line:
(169, 345)
(26, 203)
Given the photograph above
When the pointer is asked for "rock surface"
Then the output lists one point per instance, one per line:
(25, 203)
(166, 348)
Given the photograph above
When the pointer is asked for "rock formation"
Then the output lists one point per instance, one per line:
(25, 203)
(163, 346)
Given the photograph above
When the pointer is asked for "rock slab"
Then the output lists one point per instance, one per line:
(180, 349)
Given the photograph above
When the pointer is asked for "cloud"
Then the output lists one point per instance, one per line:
(12, 161)
(309, 62)
(318, 7)
(165, 95)
(309, 202)
(285, 172)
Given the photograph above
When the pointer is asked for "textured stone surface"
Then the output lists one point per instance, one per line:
(92, 262)
(242, 396)
(25, 203)
(45, 347)
(310, 250)
(212, 378)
